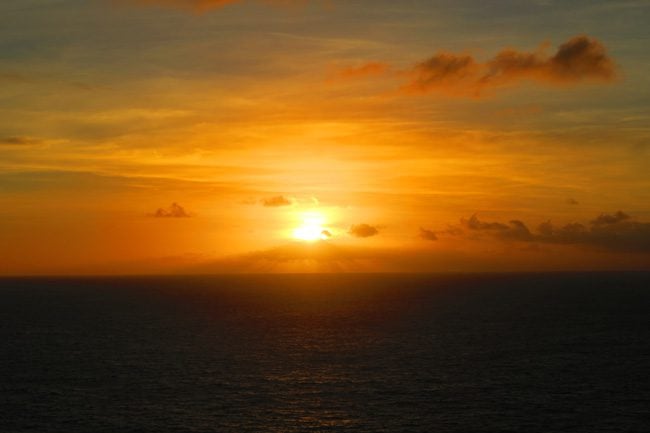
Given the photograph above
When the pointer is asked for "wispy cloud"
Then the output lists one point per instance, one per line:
(13, 77)
(306, 257)
(365, 70)
(18, 141)
(196, 5)
(206, 5)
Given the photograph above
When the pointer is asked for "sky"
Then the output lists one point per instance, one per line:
(211, 136)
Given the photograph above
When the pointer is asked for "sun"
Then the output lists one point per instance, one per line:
(312, 228)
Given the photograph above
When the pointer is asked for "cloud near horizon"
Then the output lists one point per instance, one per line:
(605, 219)
(614, 232)
(580, 59)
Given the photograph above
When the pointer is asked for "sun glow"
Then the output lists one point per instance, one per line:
(312, 228)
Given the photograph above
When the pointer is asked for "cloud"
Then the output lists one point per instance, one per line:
(577, 60)
(618, 234)
(324, 256)
(277, 201)
(173, 211)
(605, 219)
(615, 232)
(446, 73)
(13, 78)
(475, 224)
(294, 257)
(428, 235)
(366, 70)
(197, 5)
(517, 231)
(514, 230)
(363, 231)
(18, 141)
(206, 5)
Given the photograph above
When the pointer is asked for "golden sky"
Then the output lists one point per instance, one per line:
(182, 136)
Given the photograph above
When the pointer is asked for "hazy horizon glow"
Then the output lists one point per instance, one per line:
(181, 136)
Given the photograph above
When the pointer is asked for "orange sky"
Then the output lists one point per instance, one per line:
(190, 136)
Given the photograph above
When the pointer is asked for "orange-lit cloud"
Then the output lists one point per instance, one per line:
(205, 5)
(428, 235)
(579, 59)
(326, 256)
(18, 141)
(198, 5)
(606, 219)
(13, 77)
(515, 230)
(278, 201)
(363, 231)
(320, 257)
(173, 211)
(369, 69)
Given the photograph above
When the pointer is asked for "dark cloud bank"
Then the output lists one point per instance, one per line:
(614, 232)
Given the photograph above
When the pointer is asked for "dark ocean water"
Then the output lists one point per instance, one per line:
(348, 353)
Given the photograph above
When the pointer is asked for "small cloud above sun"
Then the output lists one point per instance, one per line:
(312, 228)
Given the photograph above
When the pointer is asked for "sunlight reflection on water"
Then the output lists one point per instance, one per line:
(326, 353)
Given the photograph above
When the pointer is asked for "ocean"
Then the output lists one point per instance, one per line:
(557, 352)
